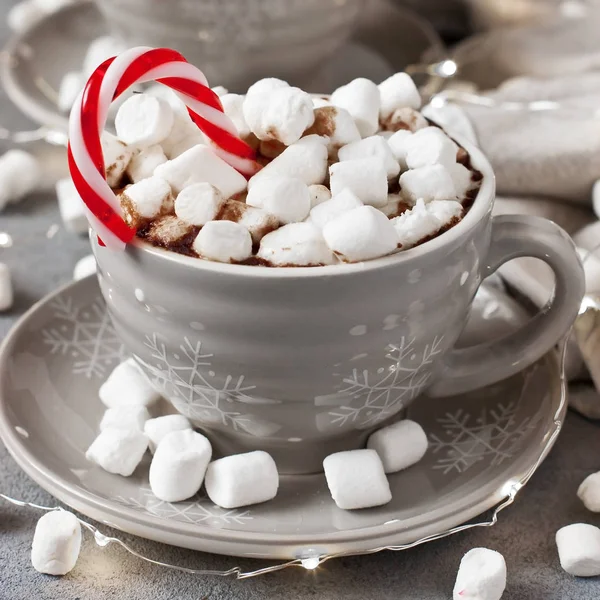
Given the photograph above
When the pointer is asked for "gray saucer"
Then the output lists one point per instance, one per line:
(54, 360)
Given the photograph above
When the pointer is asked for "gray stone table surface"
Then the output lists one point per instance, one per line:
(41, 261)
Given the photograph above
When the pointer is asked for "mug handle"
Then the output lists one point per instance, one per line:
(514, 236)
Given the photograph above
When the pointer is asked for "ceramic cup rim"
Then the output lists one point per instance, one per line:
(476, 214)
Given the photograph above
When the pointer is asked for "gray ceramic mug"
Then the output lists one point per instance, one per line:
(303, 362)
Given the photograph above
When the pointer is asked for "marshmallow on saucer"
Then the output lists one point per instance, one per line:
(143, 164)
(327, 211)
(198, 203)
(145, 200)
(430, 146)
(336, 124)
(125, 417)
(398, 143)
(361, 234)
(305, 160)
(167, 230)
(405, 118)
(286, 198)
(116, 158)
(297, 245)
(223, 241)
(481, 575)
(85, 266)
(127, 386)
(374, 146)
(56, 543)
(20, 174)
(6, 288)
(201, 164)
(365, 177)
(256, 220)
(579, 549)
(400, 445)
(179, 464)
(356, 479)
(233, 106)
(318, 194)
(398, 91)
(143, 120)
(71, 206)
(118, 451)
(589, 492)
(70, 85)
(432, 182)
(361, 99)
(158, 428)
(242, 479)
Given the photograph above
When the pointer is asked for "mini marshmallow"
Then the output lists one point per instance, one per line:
(285, 198)
(305, 160)
(116, 158)
(400, 445)
(20, 174)
(70, 86)
(179, 465)
(118, 451)
(266, 85)
(184, 134)
(296, 244)
(200, 164)
(242, 480)
(336, 124)
(158, 428)
(127, 386)
(223, 241)
(84, 267)
(461, 178)
(71, 206)
(365, 177)
(405, 118)
(361, 234)
(6, 288)
(432, 182)
(356, 479)
(257, 221)
(374, 146)
(143, 120)
(395, 206)
(398, 143)
(220, 91)
(361, 99)
(481, 576)
(341, 203)
(398, 91)
(125, 417)
(24, 15)
(233, 107)
(98, 51)
(579, 549)
(589, 492)
(318, 194)
(143, 164)
(56, 543)
(281, 114)
(198, 204)
(145, 200)
(321, 101)
(430, 146)
(168, 230)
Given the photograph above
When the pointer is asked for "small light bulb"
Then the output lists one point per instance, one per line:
(310, 563)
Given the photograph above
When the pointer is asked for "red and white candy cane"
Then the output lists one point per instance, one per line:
(88, 118)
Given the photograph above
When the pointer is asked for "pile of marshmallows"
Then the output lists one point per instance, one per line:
(358, 142)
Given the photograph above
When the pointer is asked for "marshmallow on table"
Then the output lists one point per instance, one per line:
(361, 99)
(56, 543)
(116, 158)
(179, 464)
(71, 206)
(70, 86)
(461, 178)
(198, 203)
(257, 221)
(242, 479)
(398, 91)
(305, 160)
(318, 194)
(84, 266)
(20, 174)
(337, 125)
(233, 107)
(24, 15)
(327, 211)
(158, 428)
(400, 445)
(143, 120)
(168, 230)
(201, 164)
(6, 288)
(398, 143)
(405, 118)
(283, 197)
(223, 241)
(145, 200)
(125, 417)
(365, 177)
(430, 146)
(143, 163)
(579, 549)
(432, 182)
(127, 386)
(589, 492)
(361, 234)
(296, 244)
(374, 146)
(481, 575)
(356, 479)
(118, 451)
